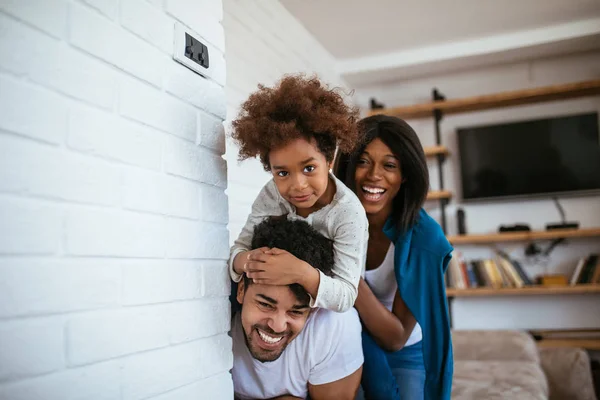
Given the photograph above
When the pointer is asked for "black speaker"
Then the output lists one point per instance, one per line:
(460, 218)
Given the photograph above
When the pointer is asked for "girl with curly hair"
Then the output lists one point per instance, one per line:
(294, 128)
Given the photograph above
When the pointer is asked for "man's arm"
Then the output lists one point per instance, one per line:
(343, 389)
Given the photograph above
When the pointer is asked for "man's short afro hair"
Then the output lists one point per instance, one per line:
(296, 107)
(298, 238)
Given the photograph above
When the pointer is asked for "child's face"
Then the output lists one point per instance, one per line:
(301, 174)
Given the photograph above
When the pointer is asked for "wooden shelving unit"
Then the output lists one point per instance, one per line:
(497, 100)
(433, 151)
(439, 195)
(439, 107)
(525, 291)
(523, 236)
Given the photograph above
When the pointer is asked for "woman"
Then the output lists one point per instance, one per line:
(402, 300)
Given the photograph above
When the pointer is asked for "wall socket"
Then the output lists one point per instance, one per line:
(191, 50)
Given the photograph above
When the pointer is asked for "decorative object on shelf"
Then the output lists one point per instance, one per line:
(552, 280)
(563, 224)
(375, 105)
(514, 228)
(462, 223)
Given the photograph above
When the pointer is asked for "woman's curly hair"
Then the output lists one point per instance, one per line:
(296, 107)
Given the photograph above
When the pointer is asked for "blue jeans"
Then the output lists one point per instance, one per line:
(392, 375)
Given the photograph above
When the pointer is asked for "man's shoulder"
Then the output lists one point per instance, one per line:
(323, 324)
(333, 345)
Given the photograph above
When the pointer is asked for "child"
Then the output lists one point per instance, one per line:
(294, 128)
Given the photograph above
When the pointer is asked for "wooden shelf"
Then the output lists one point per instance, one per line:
(432, 151)
(498, 100)
(439, 194)
(523, 236)
(524, 291)
(589, 344)
(587, 338)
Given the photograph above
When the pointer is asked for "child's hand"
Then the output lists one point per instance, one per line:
(276, 267)
(241, 260)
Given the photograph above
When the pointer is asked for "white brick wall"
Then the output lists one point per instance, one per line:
(113, 213)
(264, 41)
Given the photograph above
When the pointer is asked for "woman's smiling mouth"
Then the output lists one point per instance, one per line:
(372, 193)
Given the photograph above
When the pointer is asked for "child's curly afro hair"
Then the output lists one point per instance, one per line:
(296, 107)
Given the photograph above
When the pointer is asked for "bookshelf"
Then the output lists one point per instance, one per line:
(437, 109)
(440, 106)
(534, 290)
(523, 236)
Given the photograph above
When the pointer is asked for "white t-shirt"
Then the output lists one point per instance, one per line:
(343, 221)
(328, 349)
(382, 281)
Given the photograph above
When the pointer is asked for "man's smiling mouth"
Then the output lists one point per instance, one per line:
(268, 338)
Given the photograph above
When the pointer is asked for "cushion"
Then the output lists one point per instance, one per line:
(568, 372)
(494, 345)
(490, 380)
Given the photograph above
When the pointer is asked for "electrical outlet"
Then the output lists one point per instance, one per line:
(192, 51)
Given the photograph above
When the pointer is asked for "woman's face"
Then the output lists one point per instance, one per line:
(378, 178)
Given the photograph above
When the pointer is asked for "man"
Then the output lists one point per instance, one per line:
(281, 347)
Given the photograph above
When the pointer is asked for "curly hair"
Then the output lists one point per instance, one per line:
(298, 238)
(296, 107)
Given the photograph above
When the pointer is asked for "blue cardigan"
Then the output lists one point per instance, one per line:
(421, 257)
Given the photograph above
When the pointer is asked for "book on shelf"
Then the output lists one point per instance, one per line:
(497, 273)
(505, 272)
(587, 270)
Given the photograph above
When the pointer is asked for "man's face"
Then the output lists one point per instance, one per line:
(272, 317)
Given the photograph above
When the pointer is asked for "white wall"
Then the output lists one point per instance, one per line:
(516, 312)
(113, 214)
(264, 42)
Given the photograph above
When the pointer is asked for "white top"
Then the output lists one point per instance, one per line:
(382, 281)
(328, 349)
(343, 221)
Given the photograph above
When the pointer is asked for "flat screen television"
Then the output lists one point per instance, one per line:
(542, 157)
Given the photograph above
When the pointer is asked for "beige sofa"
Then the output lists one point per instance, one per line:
(508, 365)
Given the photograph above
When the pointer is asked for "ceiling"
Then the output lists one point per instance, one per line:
(382, 40)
